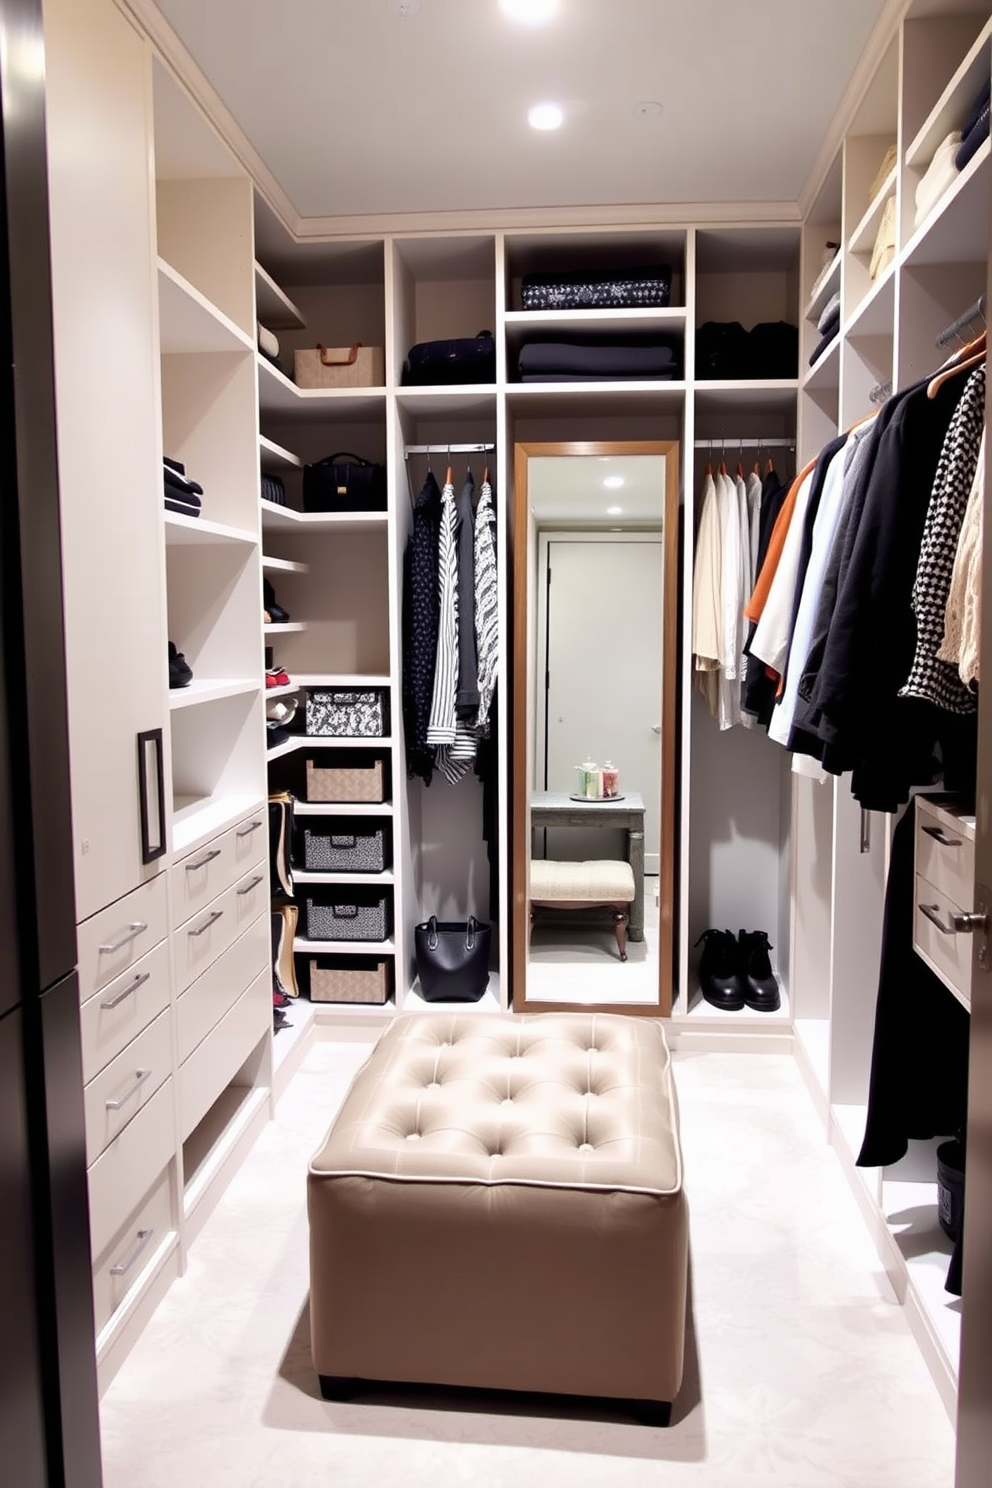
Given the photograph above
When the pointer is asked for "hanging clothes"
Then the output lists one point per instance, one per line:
(963, 613)
(420, 627)
(733, 578)
(930, 678)
(754, 492)
(467, 696)
(758, 689)
(771, 637)
(486, 605)
(706, 603)
(441, 728)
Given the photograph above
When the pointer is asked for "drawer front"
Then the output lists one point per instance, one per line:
(212, 995)
(947, 952)
(111, 941)
(203, 875)
(127, 1169)
(945, 853)
(215, 1062)
(199, 942)
(135, 1243)
(117, 1014)
(126, 1085)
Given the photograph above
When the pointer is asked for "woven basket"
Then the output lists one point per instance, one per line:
(358, 918)
(357, 783)
(344, 847)
(348, 979)
(340, 366)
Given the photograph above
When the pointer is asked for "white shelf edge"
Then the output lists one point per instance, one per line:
(938, 122)
(205, 306)
(289, 519)
(281, 455)
(609, 389)
(343, 808)
(325, 741)
(960, 184)
(356, 680)
(882, 285)
(210, 531)
(195, 819)
(344, 948)
(292, 317)
(353, 880)
(636, 315)
(283, 565)
(826, 289)
(279, 750)
(288, 627)
(820, 373)
(286, 690)
(315, 395)
(211, 691)
(862, 240)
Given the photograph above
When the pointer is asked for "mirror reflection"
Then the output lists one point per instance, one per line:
(596, 607)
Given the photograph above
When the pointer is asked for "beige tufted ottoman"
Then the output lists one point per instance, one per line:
(499, 1204)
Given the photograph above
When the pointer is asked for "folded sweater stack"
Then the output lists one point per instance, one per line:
(594, 361)
(182, 495)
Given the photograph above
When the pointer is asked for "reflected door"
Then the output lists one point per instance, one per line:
(603, 694)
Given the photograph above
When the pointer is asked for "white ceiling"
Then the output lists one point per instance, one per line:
(358, 110)
(571, 489)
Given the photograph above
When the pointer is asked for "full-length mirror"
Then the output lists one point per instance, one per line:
(595, 619)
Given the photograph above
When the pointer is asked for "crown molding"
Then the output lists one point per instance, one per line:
(882, 33)
(189, 75)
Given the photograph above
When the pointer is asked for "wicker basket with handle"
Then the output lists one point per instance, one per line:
(340, 366)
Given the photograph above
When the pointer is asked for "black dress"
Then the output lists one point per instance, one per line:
(420, 628)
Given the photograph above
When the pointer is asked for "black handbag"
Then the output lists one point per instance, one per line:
(343, 483)
(462, 360)
(452, 959)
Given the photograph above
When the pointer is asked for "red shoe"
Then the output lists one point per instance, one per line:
(276, 677)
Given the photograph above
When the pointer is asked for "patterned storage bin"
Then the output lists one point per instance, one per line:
(345, 847)
(349, 979)
(346, 713)
(360, 916)
(359, 782)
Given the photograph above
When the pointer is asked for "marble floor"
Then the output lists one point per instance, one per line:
(801, 1369)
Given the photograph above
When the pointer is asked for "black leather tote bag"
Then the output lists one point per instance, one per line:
(452, 959)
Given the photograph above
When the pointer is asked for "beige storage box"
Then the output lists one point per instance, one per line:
(345, 783)
(348, 979)
(531, 1166)
(340, 366)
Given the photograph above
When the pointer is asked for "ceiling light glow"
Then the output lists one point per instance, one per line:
(529, 12)
(614, 511)
(614, 482)
(546, 116)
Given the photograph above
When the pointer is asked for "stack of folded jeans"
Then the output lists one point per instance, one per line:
(828, 325)
(181, 494)
(595, 361)
(975, 128)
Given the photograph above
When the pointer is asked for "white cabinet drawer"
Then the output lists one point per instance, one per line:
(126, 1170)
(205, 1001)
(113, 939)
(126, 1085)
(117, 1014)
(214, 1063)
(199, 942)
(945, 849)
(200, 877)
(138, 1240)
(947, 952)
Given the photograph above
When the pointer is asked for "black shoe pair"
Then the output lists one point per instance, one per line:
(180, 671)
(736, 971)
(274, 613)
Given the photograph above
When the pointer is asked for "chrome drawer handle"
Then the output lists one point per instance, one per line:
(939, 835)
(131, 987)
(208, 857)
(247, 831)
(253, 885)
(207, 923)
(115, 1105)
(124, 1266)
(137, 927)
(961, 924)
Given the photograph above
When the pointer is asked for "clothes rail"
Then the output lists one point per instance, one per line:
(975, 312)
(447, 449)
(732, 444)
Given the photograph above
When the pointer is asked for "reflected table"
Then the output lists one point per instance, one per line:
(557, 809)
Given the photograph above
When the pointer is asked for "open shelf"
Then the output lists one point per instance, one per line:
(579, 399)
(862, 239)
(827, 286)
(953, 104)
(957, 230)
(286, 628)
(489, 1002)
(303, 876)
(273, 307)
(195, 818)
(189, 322)
(344, 948)
(875, 316)
(284, 519)
(748, 1018)
(776, 395)
(211, 690)
(192, 531)
(273, 457)
(208, 1146)
(470, 398)
(825, 373)
(278, 395)
(324, 741)
(288, 746)
(283, 565)
(342, 808)
(341, 679)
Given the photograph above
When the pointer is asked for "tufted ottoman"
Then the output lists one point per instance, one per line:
(499, 1204)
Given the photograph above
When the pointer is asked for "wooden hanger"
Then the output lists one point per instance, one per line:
(770, 466)
(709, 468)
(449, 479)
(485, 476)
(965, 360)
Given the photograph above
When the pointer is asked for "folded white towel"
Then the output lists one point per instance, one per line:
(267, 340)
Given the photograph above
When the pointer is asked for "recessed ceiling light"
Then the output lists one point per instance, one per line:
(614, 511)
(529, 12)
(614, 482)
(647, 110)
(546, 116)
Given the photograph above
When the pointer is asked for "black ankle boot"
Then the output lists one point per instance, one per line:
(758, 982)
(718, 978)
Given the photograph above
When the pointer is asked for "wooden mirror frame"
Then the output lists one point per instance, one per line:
(520, 830)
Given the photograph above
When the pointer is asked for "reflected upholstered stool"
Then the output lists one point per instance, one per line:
(606, 883)
(499, 1204)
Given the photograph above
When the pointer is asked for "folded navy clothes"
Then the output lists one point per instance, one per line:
(175, 503)
(177, 480)
(975, 129)
(594, 359)
(822, 345)
(829, 315)
(666, 376)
